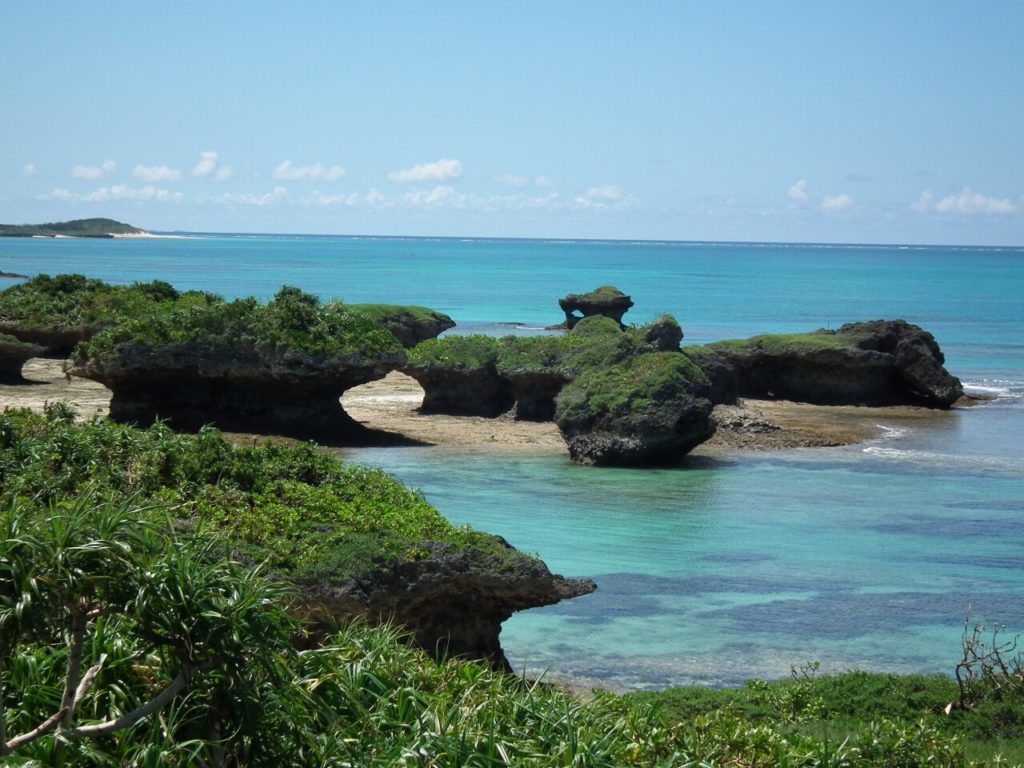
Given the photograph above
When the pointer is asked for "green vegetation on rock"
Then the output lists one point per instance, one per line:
(75, 228)
(299, 509)
(641, 384)
(294, 321)
(460, 353)
(75, 300)
(788, 342)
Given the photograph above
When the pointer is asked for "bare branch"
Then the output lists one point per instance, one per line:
(39, 731)
(129, 719)
(87, 681)
(71, 679)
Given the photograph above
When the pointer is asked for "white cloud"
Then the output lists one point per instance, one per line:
(606, 192)
(288, 171)
(375, 198)
(93, 172)
(118, 192)
(29, 169)
(431, 197)
(276, 195)
(967, 202)
(207, 164)
(512, 180)
(442, 170)
(319, 198)
(798, 191)
(543, 182)
(156, 173)
(924, 202)
(839, 202)
(224, 173)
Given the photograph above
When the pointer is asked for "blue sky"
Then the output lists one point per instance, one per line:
(797, 121)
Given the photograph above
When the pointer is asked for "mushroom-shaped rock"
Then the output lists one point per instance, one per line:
(606, 300)
(650, 409)
(278, 368)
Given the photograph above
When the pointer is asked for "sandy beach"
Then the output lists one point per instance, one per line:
(391, 404)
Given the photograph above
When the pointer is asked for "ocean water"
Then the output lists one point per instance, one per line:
(731, 566)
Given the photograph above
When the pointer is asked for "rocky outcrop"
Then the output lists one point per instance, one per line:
(452, 599)
(873, 363)
(57, 341)
(721, 373)
(459, 376)
(238, 389)
(607, 300)
(13, 354)
(649, 410)
(409, 324)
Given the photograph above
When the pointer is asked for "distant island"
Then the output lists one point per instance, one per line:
(76, 228)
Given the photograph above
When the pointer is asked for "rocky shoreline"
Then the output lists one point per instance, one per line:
(391, 405)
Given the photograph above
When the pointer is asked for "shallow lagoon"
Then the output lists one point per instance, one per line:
(731, 566)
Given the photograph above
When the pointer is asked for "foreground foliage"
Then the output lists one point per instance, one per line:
(301, 510)
(124, 643)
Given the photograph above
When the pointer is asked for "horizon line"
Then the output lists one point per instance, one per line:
(464, 238)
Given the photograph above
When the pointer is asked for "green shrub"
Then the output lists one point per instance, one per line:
(293, 321)
(461, 353)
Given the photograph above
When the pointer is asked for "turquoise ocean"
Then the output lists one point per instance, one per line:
(730, 566)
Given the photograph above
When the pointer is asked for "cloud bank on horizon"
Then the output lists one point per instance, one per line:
(667, 122)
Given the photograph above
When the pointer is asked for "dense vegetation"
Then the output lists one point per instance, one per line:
(795, 342)
(125, 642)
(294, 321)
(75, 228)
(300, 510)
(75, 300)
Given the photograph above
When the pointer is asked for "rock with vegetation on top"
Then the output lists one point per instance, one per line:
(278, 368)
(13, 354)
(355, 542)
(871, 363)
(409, 324)
(59, 312)
(607, 300)
(459, 376)
(650, 409)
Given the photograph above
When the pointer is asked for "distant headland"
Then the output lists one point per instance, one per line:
(75, 228)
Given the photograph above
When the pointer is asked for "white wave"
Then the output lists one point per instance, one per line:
(890, 433)
(933, 459)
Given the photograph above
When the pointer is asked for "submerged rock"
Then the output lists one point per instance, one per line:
(871, 363)
(453, 600)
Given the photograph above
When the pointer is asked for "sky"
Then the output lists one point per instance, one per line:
(811, 121)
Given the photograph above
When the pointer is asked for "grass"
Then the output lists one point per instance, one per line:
(789, 342)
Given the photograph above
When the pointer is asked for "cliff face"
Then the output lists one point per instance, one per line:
(452, 600)
(873, 363)
(56, 341)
